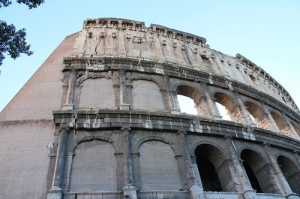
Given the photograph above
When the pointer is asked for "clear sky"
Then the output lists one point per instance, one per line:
(266, 32)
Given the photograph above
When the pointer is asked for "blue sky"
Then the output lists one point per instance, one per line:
(267, 32)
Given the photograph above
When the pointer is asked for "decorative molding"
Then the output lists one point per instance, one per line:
(115, 119)
(178, 71)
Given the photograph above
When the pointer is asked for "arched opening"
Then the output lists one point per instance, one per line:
(190, 101)
(94, 167)
(281, 124)
(95, 92)
(213, 169)
(290, 172)
(187, 105)
(296, 127)
(158, 167)
(147, 95)
(258, 115)
(226, 107)
(258, 172)
(252, 178)
(223, 112)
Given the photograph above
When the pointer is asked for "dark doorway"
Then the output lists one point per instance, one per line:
(209, 176)
(258, 172)
(252, 178)
(290, 172)
(213, 169)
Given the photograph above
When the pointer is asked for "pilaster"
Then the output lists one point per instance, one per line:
(69, 104)
(211, 104)
(290, 126)
(129, 190)
(56, 189)
(246, 118)
(238, 172)
(273, 124)
(124, 104)
(175, 104)
(279, 178)
(195, 186)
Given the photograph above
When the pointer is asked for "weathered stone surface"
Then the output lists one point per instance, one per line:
(106, 105)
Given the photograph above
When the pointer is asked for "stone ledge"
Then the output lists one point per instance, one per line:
(178, 71)
(114, 119)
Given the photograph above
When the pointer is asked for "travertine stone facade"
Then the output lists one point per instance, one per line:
(106, 104)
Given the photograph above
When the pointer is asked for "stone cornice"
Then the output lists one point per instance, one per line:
(98, 64)
(176, 34)
(258, 70)
(126, 24)
(115, 23)
(132, 25)
(115, 119)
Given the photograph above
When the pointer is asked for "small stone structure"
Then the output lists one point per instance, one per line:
(101, 119)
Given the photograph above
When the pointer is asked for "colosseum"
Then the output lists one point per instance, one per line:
(101, 119)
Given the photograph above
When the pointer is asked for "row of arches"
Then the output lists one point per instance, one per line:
(233, 108)
(206, 102)
(95, 167)
(215, 173)
(101, 93)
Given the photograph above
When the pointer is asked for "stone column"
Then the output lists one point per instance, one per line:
(280, 179)
(124, 105)
(195, 185)
(129, 190)
(246, 118)
(175, 104)
(238, 172)
(297, 157)
(291, 127)
(211, 104)
(69, 104)
(273, 126)
(172, 97)
(165, 95)
(56, 189)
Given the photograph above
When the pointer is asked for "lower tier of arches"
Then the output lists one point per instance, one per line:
(106, 161)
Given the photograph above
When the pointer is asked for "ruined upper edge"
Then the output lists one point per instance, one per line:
(140, 26)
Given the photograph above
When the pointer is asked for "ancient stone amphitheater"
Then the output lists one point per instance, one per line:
(101, 119)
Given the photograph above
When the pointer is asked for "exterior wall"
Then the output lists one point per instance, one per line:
(93, 167)
(24, 158)
(97, 93)
(158, 167)
(43, 92)
(118, 131)
(26, 129)
(143, 99)
(105, 37)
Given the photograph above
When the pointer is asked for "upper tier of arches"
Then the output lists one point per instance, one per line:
(152, 93)
(111, 37)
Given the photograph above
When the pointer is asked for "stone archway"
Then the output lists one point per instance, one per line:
(258, 172)
(290, 172)
(281, 123)
(196, 100)
(158, 167)
(226, 107)
(258, 115)
(93, 167)
(213, 169)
